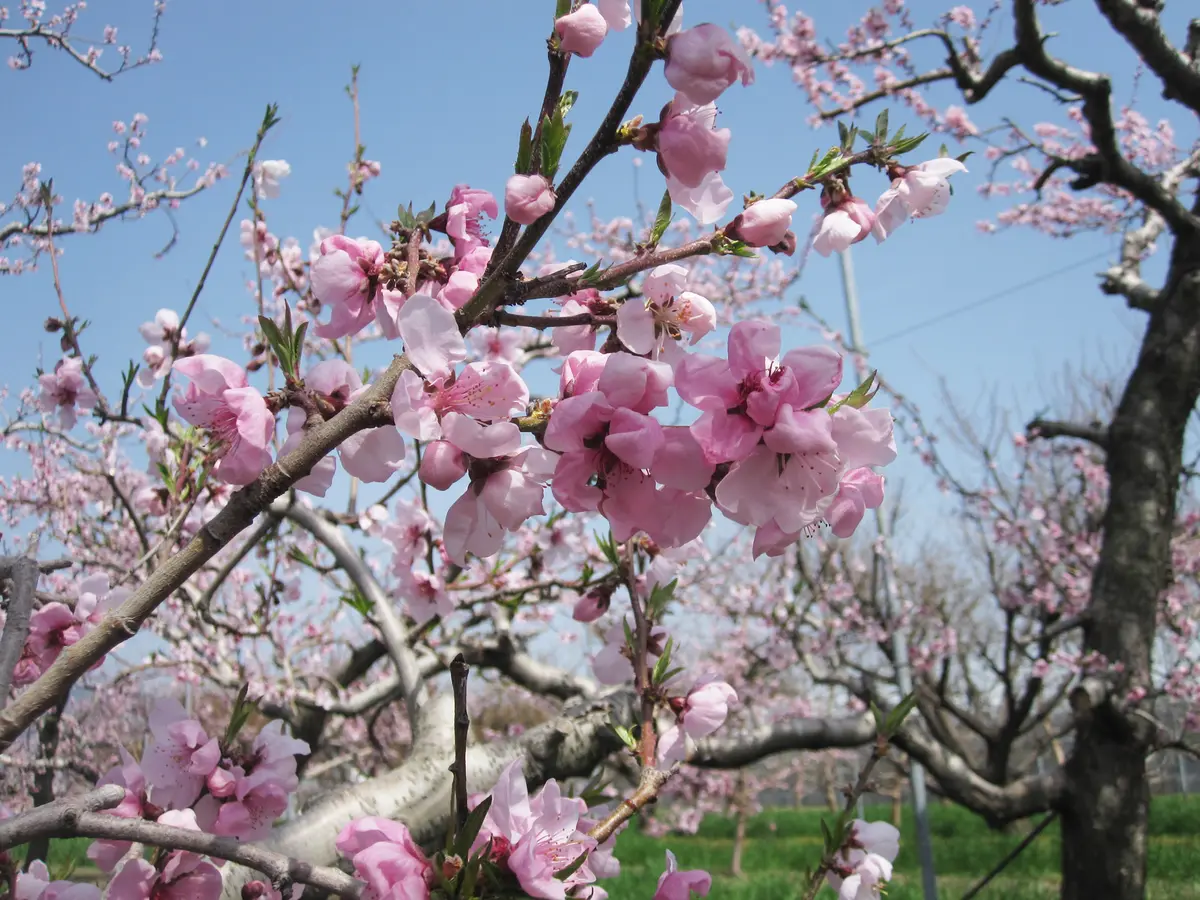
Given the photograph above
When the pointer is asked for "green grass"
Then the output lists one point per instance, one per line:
(782, 843)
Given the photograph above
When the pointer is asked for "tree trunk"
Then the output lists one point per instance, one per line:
(1107, 798)
(43, 781)
(740, 801)
(898, 804)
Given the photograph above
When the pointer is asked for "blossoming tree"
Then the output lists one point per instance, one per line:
(1101, 167)
(165, 499)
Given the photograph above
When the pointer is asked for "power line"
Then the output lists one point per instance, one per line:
(990, 298)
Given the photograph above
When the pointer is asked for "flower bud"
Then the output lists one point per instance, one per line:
(582, 31)
(527, 198)
(763, 224)
(442, 464)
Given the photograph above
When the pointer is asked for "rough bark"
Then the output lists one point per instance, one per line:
(1106, 802)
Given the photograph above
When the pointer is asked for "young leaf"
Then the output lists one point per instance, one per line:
(470, 830)
(575, 866)
(625, 736)
(881, 125)
(524, 150)
(662, 220)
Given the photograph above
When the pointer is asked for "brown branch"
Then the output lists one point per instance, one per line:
(1048, 428)
(459, 670)
(77, 817)
(651, 783)
(1142, 29)
(24, 574)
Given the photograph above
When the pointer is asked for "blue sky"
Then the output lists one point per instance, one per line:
(444, 87)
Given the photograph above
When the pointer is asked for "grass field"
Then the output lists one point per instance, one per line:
(775, 858)
(782, 843)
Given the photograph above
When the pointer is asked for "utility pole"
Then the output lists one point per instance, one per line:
(883, 558)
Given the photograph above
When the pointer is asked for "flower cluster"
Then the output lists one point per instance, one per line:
(188, 779)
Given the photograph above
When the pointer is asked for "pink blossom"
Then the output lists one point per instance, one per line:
(387, 858)
(690, 147)
(844, 224)
(676, 885)
(764, 223)
(616, 13)
(611, 666)
(592, 605)
(703, 61)
(262, 783)
(35, 884)
(581, 32)
(463, 210)
(184, 876)
(528, 197)
(706, 202)
(168, 342)
(701, 713)
(537, 838)
(442, 464)
(64, 389)
(503, 493)
(741, 397)
(919, 191)
(55, 626)
(106, 854)
(346, 277)
(667, 310)
(220, 400)
(179, 757)
(426, 595)
(859, 490)
(268, 174)
(868, 857)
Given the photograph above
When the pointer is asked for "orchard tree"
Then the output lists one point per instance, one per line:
(1099, 167)
(327, 586)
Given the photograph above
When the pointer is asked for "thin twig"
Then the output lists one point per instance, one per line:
(459, 670)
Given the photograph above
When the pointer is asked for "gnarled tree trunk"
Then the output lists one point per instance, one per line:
(1105, 809)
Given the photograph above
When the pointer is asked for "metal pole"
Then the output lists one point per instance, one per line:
(892, 600)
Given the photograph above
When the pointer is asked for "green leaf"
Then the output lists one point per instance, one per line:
(662, 665)
(881, 125)
(662, 220)
(566, 101)
(845, 135)
(908, 144)
(524, 150)
(860, 396)
(469, 876)
(898, 135)
(962, 157)
(404, 215)
(630, 638)
(660, 597)
(900, 713)
(824, 165)
(358, 602)
(238, 716)
(943, 152)
(555, 132)
(470, 830)
(827, 835)
(626, 737)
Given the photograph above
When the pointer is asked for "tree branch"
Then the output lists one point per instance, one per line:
(395, 635)
(1048, 428)
(24, 574)
(76, 817)
(1142, 30)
